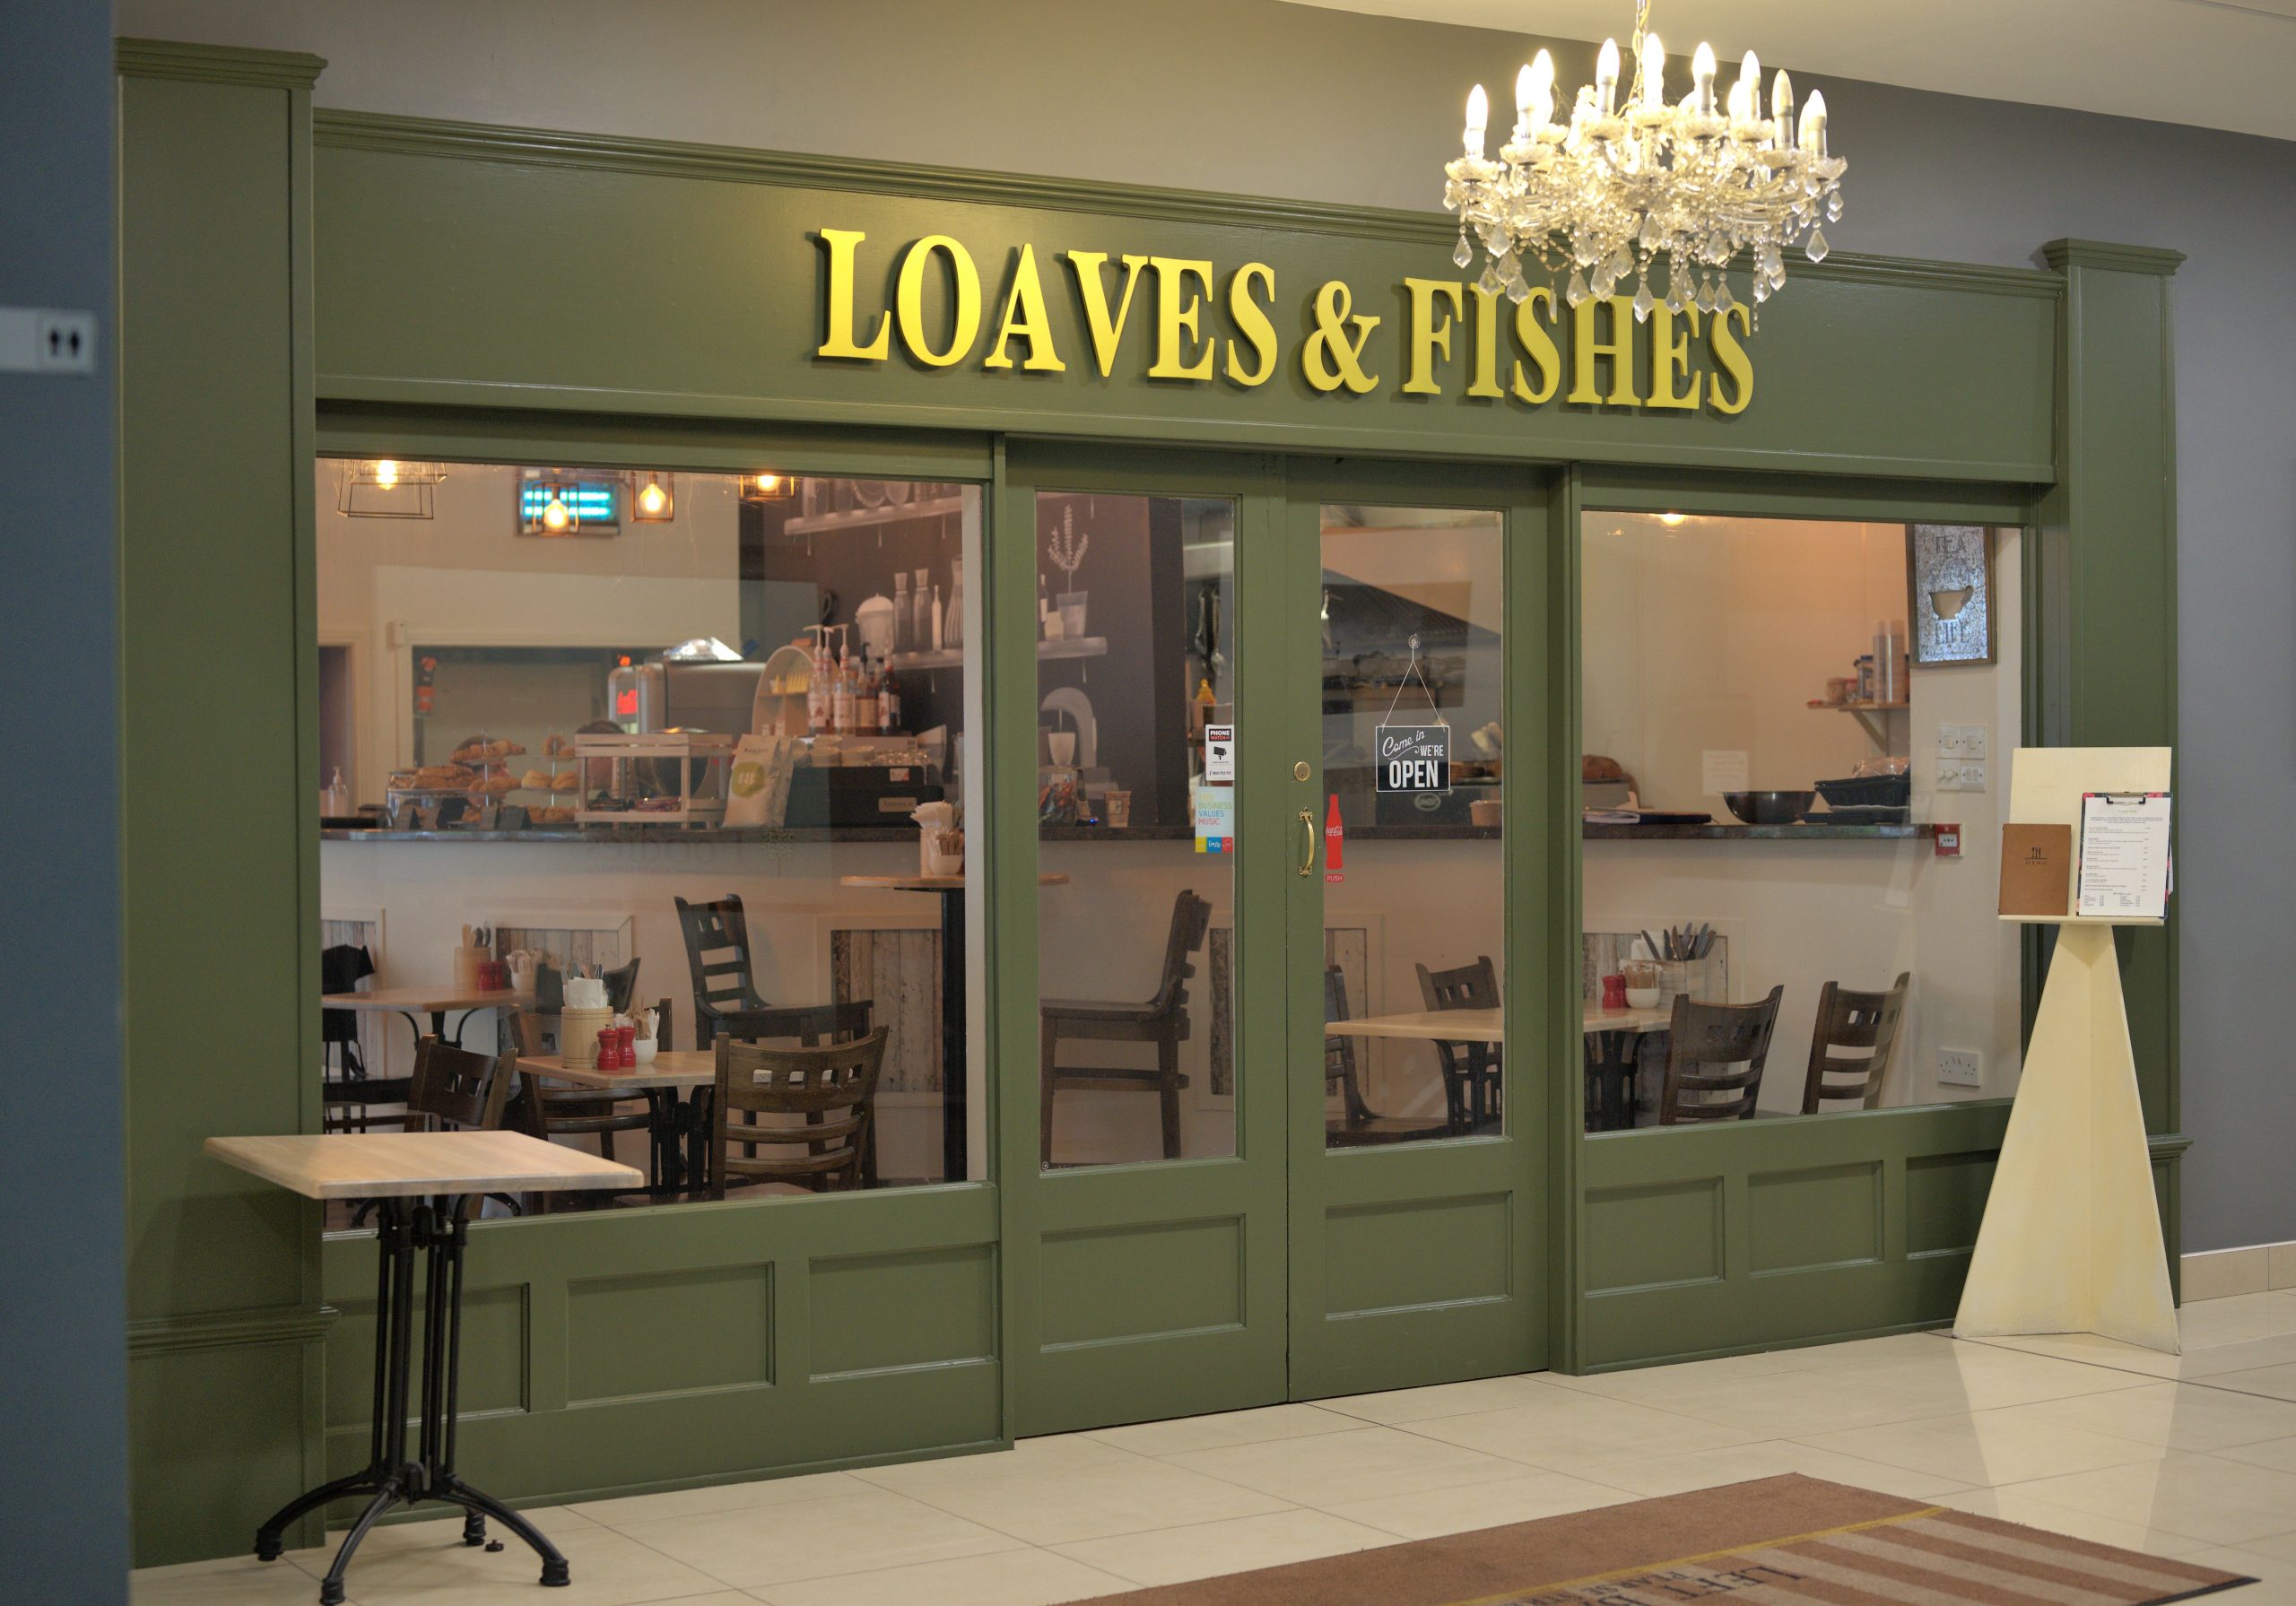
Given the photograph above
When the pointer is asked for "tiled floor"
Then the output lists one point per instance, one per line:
(2192, 1456)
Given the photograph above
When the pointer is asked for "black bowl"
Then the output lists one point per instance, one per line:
(1768, 808)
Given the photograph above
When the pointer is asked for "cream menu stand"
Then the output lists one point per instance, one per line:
(2071, 1240)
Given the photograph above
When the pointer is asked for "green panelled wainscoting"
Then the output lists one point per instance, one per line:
(623, 1350)
(219, 835)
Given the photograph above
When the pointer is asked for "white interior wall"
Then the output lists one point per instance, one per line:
(466, 577)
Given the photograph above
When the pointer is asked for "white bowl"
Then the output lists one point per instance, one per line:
(1642, 998)
(643, 1049)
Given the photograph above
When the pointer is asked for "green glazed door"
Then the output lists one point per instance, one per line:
(1239, 1165)
(1137, 599)
(1415, 715)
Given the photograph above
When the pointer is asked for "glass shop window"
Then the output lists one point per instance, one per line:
(624, 766)
(1781, 719)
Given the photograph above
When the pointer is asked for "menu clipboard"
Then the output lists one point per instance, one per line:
(2126, 868)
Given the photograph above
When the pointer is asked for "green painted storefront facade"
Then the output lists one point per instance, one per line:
(293, 284)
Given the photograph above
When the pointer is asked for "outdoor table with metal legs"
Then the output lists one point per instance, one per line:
(435, 1230)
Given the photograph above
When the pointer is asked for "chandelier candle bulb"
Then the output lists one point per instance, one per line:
(1606, 77)
(1654, 74)
(1701, 72)
(1478, 119)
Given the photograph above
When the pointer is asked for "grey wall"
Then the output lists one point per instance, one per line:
(63, 1407)
(1258, 97)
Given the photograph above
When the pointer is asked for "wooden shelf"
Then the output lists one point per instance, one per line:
(1084, 646)
(1868, 714)
(864, 518)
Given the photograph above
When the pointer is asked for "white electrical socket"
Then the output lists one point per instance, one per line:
(1960, 1067)
(1961, 741)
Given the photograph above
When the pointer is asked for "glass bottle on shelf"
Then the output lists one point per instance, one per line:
(953, 630)
(904, 626)
(841, 712)
(864, 699)
(938, 619)
(889, 703)
(920, 628)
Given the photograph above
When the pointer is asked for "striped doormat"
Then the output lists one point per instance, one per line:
(1790, 1540)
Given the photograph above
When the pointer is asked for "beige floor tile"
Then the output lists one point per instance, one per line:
(1643, 1382)
(2277, 1349)
(1978, 1377)
(2090, 1347)
(2278, 1382)
(2280, 1547)
(1446, 1399)
(717, 1496)
(1566, 1429)
(2210, 1322)
(1334, 1468)
(1647, 1475)
(2278, 1453)
(1432, 1512)
(2220, 1501)
(1209, 1549)
(1058, 1499)
(1026, 1577)
(758, 1546)
(233, 1581)
(1227, 1428)
(2011, 1506)
(609, 1570)
(2183, 1416)
(1785, 1404)
(1893, 1346)
(1986, 1449)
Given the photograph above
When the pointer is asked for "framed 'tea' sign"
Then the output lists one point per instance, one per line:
(1415, 758)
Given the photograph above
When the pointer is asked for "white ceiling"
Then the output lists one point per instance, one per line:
(2214, 64)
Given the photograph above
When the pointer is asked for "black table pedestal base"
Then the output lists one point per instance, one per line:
(391, 1478)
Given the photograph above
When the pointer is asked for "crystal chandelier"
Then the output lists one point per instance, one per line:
(1614, 187)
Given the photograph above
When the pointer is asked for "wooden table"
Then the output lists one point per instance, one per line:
(434, 1002)
(676, 1122)
(951, 890)
(1606, 1032)
(421, 1182)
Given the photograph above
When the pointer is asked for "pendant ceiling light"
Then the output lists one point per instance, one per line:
(653, 498)
(549, 505)
(386, 488)
(766, 486)
(1618, 184)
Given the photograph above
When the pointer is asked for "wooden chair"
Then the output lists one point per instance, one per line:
(1714, 1059)
(453, 1089)
(1358, 1125)
(832, 1089)
(1471, 1068)
(1161, 1020)
(726, 1002)
(1854, 1021)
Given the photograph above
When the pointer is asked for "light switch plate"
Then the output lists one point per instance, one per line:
(1960, 1067)
(1960, 775)
(1961, 740)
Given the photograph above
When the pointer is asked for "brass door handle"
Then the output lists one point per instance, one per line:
(1307, 842)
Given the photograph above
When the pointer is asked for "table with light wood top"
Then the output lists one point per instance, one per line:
(1484, 1026)
(433, 1001)
(1606, 1032)
(951, 891)
(399, 1165)
(673, 1068)
(420, 1182)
